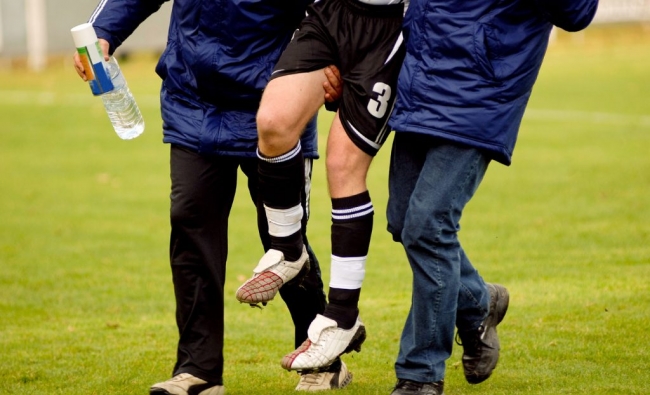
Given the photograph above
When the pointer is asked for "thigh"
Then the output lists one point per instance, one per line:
(288, 104)
(295, 92)
(449, 177)
(202, 189)
(294, 96)
(407, 158)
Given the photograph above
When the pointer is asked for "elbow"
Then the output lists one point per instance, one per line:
(571, 16)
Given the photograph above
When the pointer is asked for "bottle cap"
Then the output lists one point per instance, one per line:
(84, 35)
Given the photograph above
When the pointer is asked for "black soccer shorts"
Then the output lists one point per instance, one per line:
(365, 42)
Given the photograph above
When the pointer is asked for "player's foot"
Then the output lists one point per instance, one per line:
(271, 273)
(481, 346)
(408, 387)
(186, 384)
(325, 342)
(335, 377)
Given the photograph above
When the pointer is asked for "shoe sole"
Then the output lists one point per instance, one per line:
(345, 382)
(216, 390)
(503, 301)
(356, 342)
(332, 385)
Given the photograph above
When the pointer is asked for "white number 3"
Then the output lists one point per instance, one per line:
(379, 107)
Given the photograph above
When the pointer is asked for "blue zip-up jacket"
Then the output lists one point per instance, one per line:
(218, 59)
(471, 65)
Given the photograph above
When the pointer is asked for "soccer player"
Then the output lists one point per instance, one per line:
(218, 59)
(363, 38)
(469, 70)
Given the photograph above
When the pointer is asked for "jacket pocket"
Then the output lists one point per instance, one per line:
(510, 45)
(482, 53)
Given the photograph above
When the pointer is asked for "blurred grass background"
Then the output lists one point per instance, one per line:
(86, 301)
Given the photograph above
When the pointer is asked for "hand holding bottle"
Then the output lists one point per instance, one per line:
(103, 44)
(105, 78)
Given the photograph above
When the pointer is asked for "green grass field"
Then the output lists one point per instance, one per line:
(86, 301)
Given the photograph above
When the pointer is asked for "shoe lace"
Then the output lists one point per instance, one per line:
(180, 377)
(312, 378)
(470, 340)
(323, 340)
(408, 385)
(420, 388)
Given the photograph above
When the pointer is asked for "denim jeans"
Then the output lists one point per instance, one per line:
(430, 183)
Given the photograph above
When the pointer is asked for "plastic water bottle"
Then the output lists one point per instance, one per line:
(120, 105)
(107, 81)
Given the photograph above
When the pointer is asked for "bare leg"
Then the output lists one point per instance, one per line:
(287, 105)
(347, 165)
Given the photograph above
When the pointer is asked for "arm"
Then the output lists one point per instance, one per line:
(333, 88)
(570, 15)
(115, 20)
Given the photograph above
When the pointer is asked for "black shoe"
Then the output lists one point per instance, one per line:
(481, 346)
(408, 387)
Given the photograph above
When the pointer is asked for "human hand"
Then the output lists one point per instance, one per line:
(79, 65)
(334, 85)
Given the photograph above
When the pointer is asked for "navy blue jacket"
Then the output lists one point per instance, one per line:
(471, 65)
(218, 59)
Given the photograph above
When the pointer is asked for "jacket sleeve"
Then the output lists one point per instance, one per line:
(115, 20)
(570, 15)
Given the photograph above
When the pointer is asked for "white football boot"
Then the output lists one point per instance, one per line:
(271, 273)
(325, 342)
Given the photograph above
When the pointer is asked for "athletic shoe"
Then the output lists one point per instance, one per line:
(271, 273)
(481, 346)
(332, 379)
(408, 387)
(186, 384)
(325, 342)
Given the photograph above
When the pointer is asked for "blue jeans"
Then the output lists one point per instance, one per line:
(430, 183)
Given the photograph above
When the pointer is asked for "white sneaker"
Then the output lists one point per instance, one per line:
(325, 342)
(186, 384)
(318, 381)
(271, 273)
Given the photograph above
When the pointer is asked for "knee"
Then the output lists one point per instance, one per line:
(276, 131)
(177, 218)
(347, 166)
(181, 214)
(433, 227)
(268, 123)
(397, 235)
(394, 227)
(337, 166)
